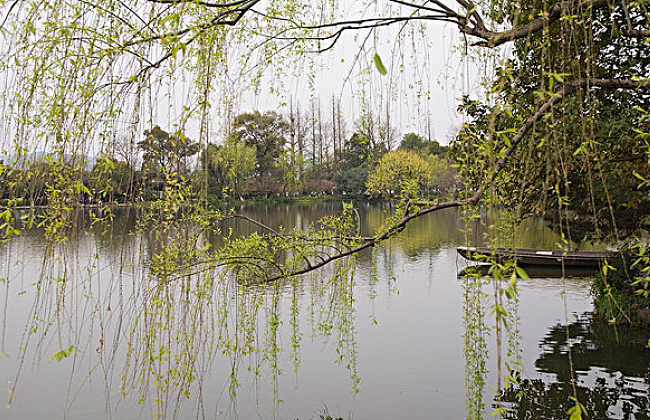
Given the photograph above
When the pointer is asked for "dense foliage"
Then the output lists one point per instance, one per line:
(253, 161)
(581, 160)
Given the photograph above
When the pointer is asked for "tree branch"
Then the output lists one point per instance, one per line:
(470, 23)
(11, 9)
(559, 10)
(203, 3)
(568, 89)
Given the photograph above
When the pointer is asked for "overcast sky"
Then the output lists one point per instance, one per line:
(441, 68)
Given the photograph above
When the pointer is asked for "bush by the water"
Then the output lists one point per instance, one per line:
(622, 288)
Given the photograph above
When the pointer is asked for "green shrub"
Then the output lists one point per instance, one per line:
(620, 290)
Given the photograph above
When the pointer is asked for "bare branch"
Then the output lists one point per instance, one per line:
(11, 9)
(442, 6)
(255, 222)
(470, 23)
(635, 33)
(203, 3)
(472, 13)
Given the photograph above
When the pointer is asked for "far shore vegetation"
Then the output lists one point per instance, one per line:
(265, 158)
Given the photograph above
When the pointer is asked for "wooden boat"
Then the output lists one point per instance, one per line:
(535, 271)
(528, 256)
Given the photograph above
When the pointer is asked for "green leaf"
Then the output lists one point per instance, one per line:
(577, 411)
(522, 273)
(380, 66)
(499, 411)
(60, 355)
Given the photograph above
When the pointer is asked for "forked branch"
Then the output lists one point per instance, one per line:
(467, 18)
(558, 11)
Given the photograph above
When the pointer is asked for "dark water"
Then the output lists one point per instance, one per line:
(87, 333)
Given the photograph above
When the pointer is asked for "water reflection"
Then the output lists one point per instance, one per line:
(611, 367)
(111, 226)
(538, 272)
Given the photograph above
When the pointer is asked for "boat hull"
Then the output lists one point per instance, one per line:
(537, 257)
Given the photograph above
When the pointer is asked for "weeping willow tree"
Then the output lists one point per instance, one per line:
(561, 130)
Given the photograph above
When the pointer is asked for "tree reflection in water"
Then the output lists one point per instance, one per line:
(612, 370)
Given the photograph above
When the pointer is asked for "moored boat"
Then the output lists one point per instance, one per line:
(529, 256)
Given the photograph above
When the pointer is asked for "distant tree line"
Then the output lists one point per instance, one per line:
(264, 154)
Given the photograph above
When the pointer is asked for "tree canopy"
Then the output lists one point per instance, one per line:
(229, 166)
(266, 132)
(579, 105)
(396, 172)
(166, 151)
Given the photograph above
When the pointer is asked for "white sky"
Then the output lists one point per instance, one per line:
(443, 71)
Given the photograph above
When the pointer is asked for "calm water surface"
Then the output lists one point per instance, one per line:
(86, 333)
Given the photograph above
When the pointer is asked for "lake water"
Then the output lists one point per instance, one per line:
(87, 333)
